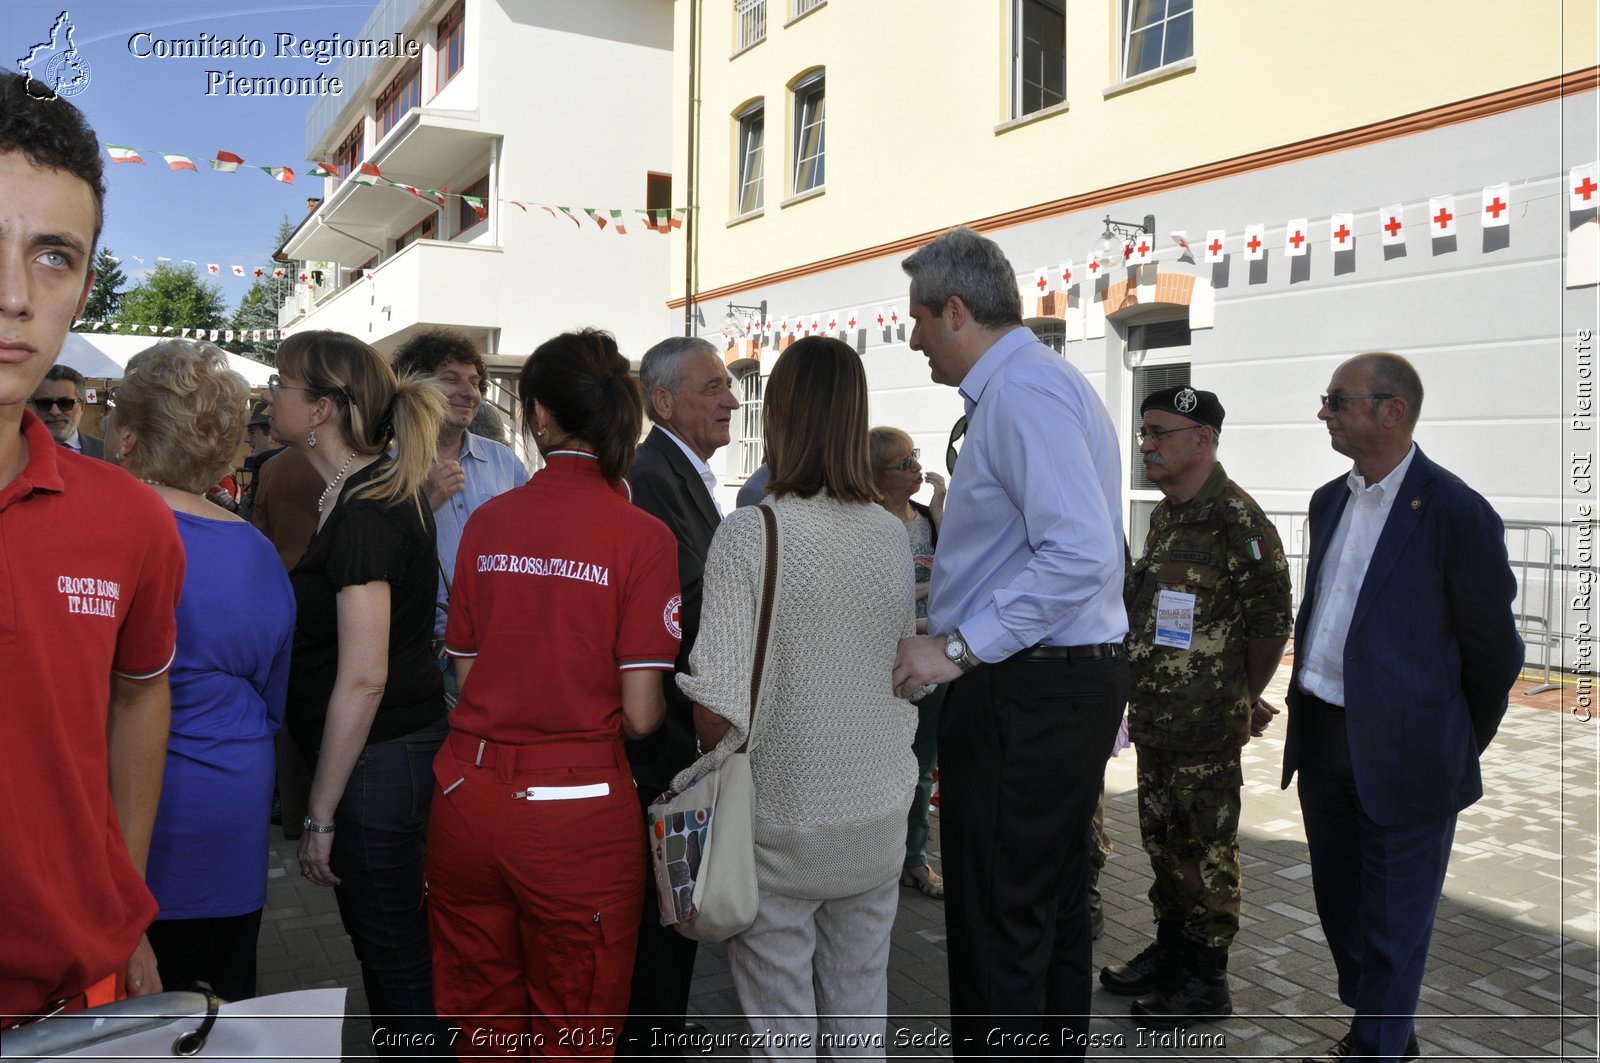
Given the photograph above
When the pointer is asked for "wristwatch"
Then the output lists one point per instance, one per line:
(956, 651)
(317, 828)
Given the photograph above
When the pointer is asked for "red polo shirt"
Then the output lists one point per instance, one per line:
(91, 567)
(560, 586)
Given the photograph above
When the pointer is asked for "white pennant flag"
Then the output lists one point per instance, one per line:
(1496, 206)
(1441, 216)
(184, 334)
(270, 333)
(1391, 223)
(1064, 271)
(882, 319)
(1582, 192)
(1092, 264)
(1181, 238)
(1255, 247)
(1141, 249)
(1340, 233)
(227, 336)
(255, 335)
(1296, 238)
(154, 329)
(1041, 282)
(213, 335)
(1214, 239)
(851, 322)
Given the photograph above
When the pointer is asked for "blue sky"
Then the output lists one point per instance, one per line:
(160, 104)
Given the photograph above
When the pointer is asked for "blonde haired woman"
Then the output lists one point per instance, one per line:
(366, 702)
(176, 421)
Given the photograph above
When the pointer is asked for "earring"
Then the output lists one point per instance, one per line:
(311, 437)
(539, 433)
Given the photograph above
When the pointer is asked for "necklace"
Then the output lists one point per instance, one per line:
(326, 491)
(154, 483)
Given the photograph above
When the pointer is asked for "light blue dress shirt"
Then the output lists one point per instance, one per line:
(491, 469)
(1031, 550)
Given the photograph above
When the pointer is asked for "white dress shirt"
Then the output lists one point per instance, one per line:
(1344, 567)
(74, 442)
(707, 477)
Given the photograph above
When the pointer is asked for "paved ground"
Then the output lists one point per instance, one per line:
(1512, 974)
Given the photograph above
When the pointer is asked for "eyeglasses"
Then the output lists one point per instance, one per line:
(902, 466)
(1158, 434)
(64, 405)
(275, 385)
(1337, 402)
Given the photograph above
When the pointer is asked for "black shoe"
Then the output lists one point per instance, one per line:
(1198, 994)
(1152, 968)
(1340, 1049)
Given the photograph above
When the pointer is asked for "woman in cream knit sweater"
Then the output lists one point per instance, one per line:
(831, 759)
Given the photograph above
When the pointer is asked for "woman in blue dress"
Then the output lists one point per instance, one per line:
(176, 422)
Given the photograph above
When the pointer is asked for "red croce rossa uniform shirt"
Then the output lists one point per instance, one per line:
(560, 586)
(92, 568)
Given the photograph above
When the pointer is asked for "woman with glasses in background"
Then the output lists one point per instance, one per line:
(366, 701)
(176, 421)
(898, 472)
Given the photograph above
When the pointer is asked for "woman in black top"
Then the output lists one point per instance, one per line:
(366, 704)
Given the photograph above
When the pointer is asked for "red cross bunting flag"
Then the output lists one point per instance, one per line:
(1441, 216)
(1141, 249)
(278, 272)
(1093, 266)
(851, 321)
(894, 315)
(1496, 206)
(1181, 238)
(1064, 272)
(816, 324)
(1297, 237)
(1582, 191)
(1391, 223)
(1341, 232)
(833, 322)
(1255, 247)
(213, 269)
(214, 335)
(1214, 246)
(783, 326)
(883, 322)
(255, 335)
(238, 271)
(1041, 281)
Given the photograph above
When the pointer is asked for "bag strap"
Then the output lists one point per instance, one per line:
(769, 587)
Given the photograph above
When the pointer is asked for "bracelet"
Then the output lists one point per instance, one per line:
(317, 828)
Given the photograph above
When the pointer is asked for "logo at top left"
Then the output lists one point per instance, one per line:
(54, 67)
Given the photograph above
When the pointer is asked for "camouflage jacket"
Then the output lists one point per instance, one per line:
(1221, 548)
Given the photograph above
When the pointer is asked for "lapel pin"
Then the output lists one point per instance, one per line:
(1416, 503)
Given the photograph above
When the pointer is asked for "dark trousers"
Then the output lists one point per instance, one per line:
(925, 747)
(1023, 746)
(378, 855)
(1377, 887)
(220, 952)
(663, 968)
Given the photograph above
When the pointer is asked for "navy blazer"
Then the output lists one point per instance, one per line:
(666, 485)
(1433, 647)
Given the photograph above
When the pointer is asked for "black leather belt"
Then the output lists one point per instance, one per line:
(1101, 651)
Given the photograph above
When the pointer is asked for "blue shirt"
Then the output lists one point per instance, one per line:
(1031, 550)
(491, 469)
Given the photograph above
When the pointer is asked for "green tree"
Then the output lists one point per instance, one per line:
(173, 296)
(106, 295)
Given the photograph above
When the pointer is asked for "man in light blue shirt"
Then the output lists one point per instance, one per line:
(469, 469)
(1026, 621)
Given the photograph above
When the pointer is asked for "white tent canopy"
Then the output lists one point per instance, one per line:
(107, 356)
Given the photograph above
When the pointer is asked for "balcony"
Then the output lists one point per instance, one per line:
(424, 150)
(428, 283)
(390, 17)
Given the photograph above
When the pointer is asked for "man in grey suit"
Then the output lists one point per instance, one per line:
(58, 400)
(689, 395)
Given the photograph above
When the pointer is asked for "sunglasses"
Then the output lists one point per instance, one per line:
(902, 466)
(1336, 402)
(43, 405)
(956, 433)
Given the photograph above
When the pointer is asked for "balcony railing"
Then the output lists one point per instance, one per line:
(750, 23)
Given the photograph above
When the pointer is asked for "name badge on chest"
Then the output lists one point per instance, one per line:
(1175, 619)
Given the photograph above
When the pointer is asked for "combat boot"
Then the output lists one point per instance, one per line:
(1198, 994)
(1152, 968)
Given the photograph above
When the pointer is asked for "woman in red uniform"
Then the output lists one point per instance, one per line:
(564, 608)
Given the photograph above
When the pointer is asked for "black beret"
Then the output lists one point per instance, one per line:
(1200, 407)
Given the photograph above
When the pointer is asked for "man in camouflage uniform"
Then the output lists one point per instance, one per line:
(1208, 616)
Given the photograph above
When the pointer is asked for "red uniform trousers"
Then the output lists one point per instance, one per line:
(533, 900)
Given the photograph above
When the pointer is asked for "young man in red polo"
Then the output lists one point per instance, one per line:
(91, 567)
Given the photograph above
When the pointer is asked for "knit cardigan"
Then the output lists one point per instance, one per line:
(831, 760)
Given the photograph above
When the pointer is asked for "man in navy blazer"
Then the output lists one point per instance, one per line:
(689, 395)
(1405, 651)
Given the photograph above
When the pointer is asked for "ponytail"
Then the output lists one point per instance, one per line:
(411, 418)
(585, 383)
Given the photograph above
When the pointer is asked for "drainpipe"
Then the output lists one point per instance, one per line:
(690, 225)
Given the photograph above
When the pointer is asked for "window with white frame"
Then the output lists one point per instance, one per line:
(750, 23)
(752, 126)
(1052, 332)
(1155, 33)
(809, 100)
(800, 7)
(1038, 55)
(752, 439)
